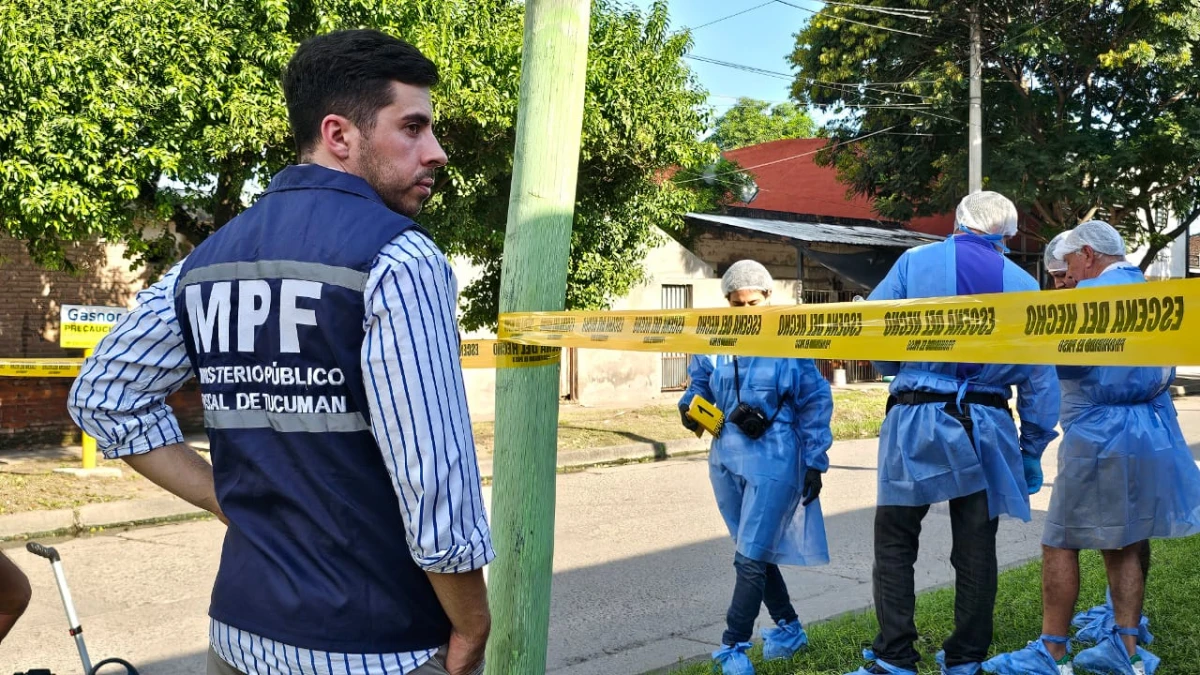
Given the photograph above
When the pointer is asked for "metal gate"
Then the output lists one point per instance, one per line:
(856, 371)
(674, 366)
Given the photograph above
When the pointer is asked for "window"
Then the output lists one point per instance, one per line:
(674, 366)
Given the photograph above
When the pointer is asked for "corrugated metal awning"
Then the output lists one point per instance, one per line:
(856, 235)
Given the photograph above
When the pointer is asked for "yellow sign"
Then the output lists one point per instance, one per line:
(83, 326)
(1134, 325)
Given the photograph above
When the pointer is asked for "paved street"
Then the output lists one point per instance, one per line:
(642, 572)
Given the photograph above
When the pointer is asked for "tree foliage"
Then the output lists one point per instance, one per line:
(119, 116)
(1091, 108)
(750, 122)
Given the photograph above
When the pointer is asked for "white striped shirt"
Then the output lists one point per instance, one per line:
(418, 412)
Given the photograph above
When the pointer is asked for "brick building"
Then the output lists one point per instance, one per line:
(33, 410)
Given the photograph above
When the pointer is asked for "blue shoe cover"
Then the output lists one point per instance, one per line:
(784, 641)
(1103, 623)
(1034, 659)
(892, 670)
(961, 669)
(1109, 657)
(732, 660)
(1082, 619)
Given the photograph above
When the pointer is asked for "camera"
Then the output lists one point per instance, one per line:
(750, 420)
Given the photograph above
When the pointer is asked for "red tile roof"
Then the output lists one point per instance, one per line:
(789, 180)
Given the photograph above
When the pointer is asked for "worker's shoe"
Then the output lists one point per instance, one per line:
(1109, 657)
(879, 667)
(1034, 659)
(973, 668)
(732, 660)
(783, 641)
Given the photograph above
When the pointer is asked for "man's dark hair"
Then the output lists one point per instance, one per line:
(348, 73)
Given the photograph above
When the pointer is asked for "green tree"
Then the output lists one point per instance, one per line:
(121, 116)
(1091, 108)
(750, 122)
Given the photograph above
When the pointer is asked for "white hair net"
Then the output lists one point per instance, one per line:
(745, 274)
(1053, 263)
(1095, 233)
(989, 213)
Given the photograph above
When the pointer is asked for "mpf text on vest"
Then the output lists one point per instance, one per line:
(214, 332)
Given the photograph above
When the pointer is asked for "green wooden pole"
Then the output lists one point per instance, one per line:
(534, 278)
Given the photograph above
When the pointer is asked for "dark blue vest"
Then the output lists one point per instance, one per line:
(271, 309)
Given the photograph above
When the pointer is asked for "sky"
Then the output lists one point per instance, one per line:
(762, 37)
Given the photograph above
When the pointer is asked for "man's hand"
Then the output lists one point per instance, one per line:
(464, 656)
(812, 487)
(688, 423)
(464, 598)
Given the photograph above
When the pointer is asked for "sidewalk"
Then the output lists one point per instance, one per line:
(157, 506)
(160, 507)
(53, 506)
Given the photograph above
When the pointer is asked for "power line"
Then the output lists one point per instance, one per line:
(744, 11)
(860, 23)
(788, 159)
(842, 87)
(921, 14)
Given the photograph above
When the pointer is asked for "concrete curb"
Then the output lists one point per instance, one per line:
(96, 517)
(707, 656)
(617, 453)
(166, 509)
(1185, 387)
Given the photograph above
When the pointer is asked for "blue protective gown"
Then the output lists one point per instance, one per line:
(925, 455)
(1125, 472)
(757, 483)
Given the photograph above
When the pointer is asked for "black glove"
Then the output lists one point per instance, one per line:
(688, 423)
(812, 487)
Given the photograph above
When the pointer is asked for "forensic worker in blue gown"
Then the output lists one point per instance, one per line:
(766, 479)
(949, 436)
(1096, 622)
(1125, 475)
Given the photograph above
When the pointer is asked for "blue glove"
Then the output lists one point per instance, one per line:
(1033, 473)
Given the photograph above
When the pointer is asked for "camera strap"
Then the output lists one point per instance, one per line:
(737, 384)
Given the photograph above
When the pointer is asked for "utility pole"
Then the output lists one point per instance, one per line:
(534, 278)
(975, 133)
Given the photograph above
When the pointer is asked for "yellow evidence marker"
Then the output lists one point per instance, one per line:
(707, 415)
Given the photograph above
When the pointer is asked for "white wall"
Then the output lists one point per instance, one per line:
(607, 377)
(1171, 262)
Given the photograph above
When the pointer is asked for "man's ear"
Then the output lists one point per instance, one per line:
(337, 135)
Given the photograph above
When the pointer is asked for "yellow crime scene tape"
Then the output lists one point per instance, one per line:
(496, 354)
(1131, 325)
(474, 354)
(39, 367)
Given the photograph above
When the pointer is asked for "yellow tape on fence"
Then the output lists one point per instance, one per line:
(39, 367)
(1135, 325)
(474, 354)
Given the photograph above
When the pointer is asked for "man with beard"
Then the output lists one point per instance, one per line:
(321, 325)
